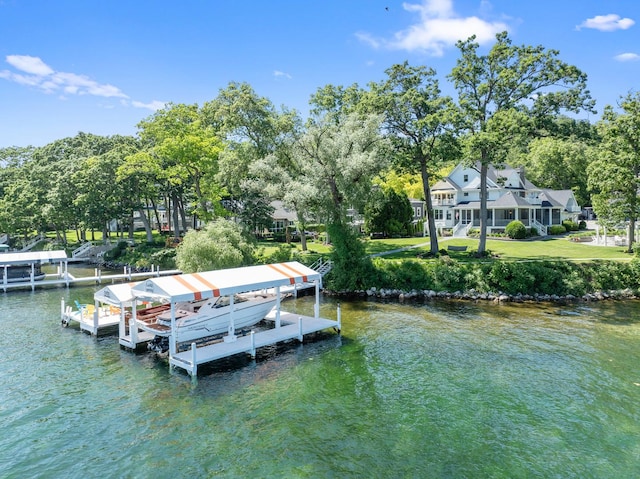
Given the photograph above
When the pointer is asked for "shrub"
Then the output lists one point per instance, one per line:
(516, 230)
(582, 225)
(533, 231)
(570, 225)
(557, 230)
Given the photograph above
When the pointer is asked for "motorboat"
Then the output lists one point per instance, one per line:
(212, 316)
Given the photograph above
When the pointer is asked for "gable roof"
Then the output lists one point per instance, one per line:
(549, 201)
(280, 212)
(510, 200)
(445, 184)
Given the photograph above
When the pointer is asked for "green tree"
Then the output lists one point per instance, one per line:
(559, 164)
(252, 129)
(419, 122)
(499, 95)
(187, 152)
(389, 213)
(614, 177)
(220, 244)
(338, 159)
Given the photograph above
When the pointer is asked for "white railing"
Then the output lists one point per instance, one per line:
(322, 266)
(542, 229)
(82, 250)
(33, 242)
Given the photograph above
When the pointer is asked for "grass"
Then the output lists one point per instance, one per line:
(553, 248)
(550, 248)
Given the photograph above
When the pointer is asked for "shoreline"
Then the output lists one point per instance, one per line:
(499, 297)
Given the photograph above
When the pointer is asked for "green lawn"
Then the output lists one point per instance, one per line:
(553, 248)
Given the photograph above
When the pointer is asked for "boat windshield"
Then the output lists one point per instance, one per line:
(224, 300)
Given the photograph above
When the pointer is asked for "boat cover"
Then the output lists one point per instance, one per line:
(196, 286)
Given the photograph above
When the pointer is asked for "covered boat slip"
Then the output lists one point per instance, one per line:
(30, 263)
(198, 286)
(118, 305)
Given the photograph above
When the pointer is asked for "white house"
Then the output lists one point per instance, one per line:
(456, 201)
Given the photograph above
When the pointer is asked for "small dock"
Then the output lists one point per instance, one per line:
(292, 326)
(67, 280)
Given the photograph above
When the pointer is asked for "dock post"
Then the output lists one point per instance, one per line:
(253, 344)
(300, 335)
(339, 318)
(99, 275)
(277, 306)
(133, 332)
(96, 316)
(194, 364)
(62, 309)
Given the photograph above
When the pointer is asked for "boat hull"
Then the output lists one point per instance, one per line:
(211, 322)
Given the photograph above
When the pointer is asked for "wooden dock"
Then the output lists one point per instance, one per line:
(293, 326)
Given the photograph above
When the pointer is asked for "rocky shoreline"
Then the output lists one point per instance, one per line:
(499, 297)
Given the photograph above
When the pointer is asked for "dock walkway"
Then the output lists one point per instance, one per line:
(292, 326)
(98, 278)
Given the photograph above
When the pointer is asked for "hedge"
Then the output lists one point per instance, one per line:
(541, 277)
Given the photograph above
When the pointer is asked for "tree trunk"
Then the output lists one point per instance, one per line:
(174, 212)
(303, 236)
(433, 232)
(147, 225)
(484, 168)
(183, 215)
(631, 234)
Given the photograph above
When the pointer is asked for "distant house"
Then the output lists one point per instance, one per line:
(456, 201)
(282, 217)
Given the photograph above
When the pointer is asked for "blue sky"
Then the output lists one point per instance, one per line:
(102, 66)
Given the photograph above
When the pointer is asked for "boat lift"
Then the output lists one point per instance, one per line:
(198, 286)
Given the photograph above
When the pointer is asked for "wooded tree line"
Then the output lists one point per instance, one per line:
(236, 153)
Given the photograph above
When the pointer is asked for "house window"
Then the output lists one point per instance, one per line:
(448, 214)
(465, 194)
(466, 178)
(418, 212)
(437, 214)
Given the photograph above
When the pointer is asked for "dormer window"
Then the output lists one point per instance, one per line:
(466, 178)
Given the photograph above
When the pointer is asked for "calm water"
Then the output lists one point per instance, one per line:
(439, 390)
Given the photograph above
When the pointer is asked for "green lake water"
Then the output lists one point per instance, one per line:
(445, 389)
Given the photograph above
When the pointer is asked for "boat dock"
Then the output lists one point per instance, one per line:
(119, 305)
(31, 262)
(293, 326)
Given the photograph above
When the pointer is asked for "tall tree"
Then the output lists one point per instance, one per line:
(338, 161)
(499, 92)
(420, 123)
(252, 129)
(187, 152)
(614, 177)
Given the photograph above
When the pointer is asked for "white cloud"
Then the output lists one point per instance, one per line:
(29, 64)
(439, 28)
(279, 74)
(153, 106)
(627, 57)
(607, 23)
(33, 72)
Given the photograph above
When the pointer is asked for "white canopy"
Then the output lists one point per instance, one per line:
(196, 286)
(36, 257)
(120, 294)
